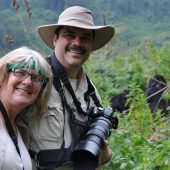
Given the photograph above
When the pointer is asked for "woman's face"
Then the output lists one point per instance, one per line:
(20, 92)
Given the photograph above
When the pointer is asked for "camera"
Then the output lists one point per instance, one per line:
(86, 155)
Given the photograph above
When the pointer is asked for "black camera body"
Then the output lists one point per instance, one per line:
(86, 155)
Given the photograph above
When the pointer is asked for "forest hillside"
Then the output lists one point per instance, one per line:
(137, 22)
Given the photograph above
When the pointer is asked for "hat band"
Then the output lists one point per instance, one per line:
(69, 20)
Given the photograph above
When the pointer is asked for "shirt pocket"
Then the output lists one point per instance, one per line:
(51, 125)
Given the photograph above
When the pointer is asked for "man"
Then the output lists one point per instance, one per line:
(55, 134)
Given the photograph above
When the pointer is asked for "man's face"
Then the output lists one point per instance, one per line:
(73, 46)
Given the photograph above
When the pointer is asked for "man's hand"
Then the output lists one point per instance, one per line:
(106, 153)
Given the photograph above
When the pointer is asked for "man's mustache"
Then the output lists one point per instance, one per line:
(76, 48)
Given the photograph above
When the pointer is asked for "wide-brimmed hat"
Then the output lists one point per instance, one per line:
(79, 17)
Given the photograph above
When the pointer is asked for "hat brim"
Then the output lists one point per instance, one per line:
(103, 34)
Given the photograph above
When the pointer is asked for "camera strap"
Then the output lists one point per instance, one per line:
(57, 72)
(9, 128)
(60, 74)
(91, 92)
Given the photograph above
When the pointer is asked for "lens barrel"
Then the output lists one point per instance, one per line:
(86, 155)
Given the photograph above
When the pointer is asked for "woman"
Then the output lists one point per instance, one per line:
(25, 84)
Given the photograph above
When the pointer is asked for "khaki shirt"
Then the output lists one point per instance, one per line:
(46, 132)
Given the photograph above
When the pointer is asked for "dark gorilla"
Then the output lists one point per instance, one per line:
(154, 92)
(118, 102)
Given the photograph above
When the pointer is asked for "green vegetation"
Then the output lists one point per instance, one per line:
(113, 74)
(139, 50)
(141, 141)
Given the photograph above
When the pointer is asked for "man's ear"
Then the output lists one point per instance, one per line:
(55, 40)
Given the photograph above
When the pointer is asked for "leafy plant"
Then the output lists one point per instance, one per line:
(141, 141)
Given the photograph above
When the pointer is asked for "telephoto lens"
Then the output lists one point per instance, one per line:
(87, 153)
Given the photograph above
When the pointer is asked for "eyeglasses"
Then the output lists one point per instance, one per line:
(23, 74)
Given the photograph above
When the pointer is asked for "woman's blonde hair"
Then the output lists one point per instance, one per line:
(25, 57)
